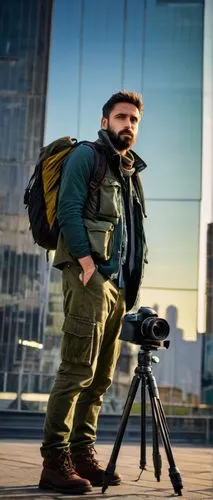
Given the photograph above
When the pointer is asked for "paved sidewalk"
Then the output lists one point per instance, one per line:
(20, 466)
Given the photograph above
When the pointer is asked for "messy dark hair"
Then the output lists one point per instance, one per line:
(123, 96)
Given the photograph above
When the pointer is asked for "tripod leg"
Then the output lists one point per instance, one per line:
(143, 425)
(162, 425)
(157, 461)
(163, 415)
(126, 411)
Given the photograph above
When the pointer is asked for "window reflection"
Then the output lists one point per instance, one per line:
(24, 41)
(154, 47)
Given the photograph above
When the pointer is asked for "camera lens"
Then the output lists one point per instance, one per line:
(155, 328)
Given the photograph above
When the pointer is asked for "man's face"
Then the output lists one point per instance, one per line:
(122, 125)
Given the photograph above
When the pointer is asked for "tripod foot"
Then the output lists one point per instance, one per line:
(157, 461)
(108, 475)
(176, 480)
(142, 469)
(104, 488)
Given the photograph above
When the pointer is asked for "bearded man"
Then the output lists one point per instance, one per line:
(101, 251)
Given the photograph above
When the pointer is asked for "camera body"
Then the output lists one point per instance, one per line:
(144, 327)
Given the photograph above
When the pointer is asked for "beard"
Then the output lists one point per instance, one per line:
(118, 142)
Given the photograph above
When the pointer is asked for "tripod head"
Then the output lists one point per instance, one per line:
(154, 345)
(145, 356)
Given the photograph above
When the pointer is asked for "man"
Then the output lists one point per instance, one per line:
(101, 251)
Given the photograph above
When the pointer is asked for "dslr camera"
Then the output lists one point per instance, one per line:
(145, 328)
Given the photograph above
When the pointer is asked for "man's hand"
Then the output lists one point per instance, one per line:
(88, 268)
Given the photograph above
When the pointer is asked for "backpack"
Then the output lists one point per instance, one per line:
(41, 194)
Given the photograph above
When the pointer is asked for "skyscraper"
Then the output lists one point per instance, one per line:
(153, 46)
(24, 54)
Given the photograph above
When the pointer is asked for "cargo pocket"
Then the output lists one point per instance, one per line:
(78, 341)
(101, 237)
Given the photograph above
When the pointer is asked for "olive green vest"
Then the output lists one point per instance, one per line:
(102, 212)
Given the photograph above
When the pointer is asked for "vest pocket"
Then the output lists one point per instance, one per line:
(101, 237)
(110, 199)
(78, 341)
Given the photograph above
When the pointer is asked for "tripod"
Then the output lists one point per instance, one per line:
(143, 374)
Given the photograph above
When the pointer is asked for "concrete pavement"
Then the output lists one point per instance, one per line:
(20, 466)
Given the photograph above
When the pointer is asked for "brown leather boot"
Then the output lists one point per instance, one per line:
(87, 466)
(59, 474)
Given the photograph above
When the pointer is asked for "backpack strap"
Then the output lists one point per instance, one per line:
(100, 165)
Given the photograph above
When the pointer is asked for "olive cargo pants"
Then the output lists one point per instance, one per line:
(89, 352)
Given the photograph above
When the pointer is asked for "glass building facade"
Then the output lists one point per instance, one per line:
(154, 47)
(151, 46)
(207, 351)
(24, 55)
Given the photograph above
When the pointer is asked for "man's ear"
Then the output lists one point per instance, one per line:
(104, 123)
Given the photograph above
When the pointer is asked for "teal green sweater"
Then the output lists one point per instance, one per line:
(76, 175)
